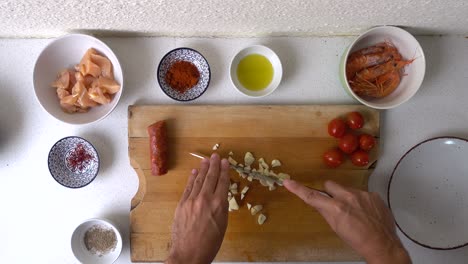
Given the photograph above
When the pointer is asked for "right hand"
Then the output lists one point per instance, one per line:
(359, 218)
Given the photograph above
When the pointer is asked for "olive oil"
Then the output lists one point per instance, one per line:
(255, 72)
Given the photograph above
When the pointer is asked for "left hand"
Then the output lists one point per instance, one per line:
(201, 217)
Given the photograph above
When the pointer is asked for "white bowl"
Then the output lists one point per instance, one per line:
(66, 52)
(275, 62)
(409, 48)
(80, 251)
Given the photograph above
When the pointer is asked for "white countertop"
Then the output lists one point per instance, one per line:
(39, 215)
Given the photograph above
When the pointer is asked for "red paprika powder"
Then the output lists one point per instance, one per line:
(182, 75)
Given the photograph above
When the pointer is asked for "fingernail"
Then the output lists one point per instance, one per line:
(214, 155)
(194, 171)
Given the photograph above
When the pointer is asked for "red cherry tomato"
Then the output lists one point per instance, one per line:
(360, 158)
(348, 143)
(337, 128)
(354, 120)
(366, 142)
(333, 158)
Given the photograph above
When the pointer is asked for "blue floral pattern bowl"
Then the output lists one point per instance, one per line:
(73, 162)
(190, 55)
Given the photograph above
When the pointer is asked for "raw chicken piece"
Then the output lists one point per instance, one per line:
(63, 80)
(96, 94)
(110, 86)
(61, 93)
(105, 65)
(87, 66)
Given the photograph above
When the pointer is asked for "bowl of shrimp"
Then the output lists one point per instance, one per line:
(383, 68)
(77, 79)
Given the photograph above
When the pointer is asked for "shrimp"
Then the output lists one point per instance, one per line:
(360, 62)
(372, 73)
(385, 85)
(388, 83)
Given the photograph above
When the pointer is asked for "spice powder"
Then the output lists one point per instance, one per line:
(100, 240)
(182, 75)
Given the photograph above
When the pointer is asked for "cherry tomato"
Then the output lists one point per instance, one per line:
(360, 158)
(333, 158)
(354, 120)
(348, 143)
(337, 128)
(366, 142)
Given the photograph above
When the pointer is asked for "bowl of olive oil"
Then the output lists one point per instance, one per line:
(256, 71)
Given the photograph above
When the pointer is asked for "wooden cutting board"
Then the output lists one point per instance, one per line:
(296, 135)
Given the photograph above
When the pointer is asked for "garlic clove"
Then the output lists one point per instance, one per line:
(232, 161)
(249, 206)
(261, 219)
(275, 163)
(255, 209)
(233, 205)
(248, 159)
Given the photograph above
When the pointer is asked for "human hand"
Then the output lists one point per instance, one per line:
(359, 218)
(201, 217)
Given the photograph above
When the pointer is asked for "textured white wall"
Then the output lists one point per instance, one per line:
(44, 18)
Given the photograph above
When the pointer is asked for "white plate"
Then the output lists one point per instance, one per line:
(66, 52)
(428, 193)
(275, 62)
(82, 253)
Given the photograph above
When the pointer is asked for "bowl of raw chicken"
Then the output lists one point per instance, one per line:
(383, 68)
(78, 79)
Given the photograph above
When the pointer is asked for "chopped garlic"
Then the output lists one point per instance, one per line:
(231, 153)
(266, 172)
(233, 205)
(248, 159)
(249, 206)
(245, 189)
(272, 188)
(242, 196)
(232, 161)
(216, 146)
(261, 219)
(241, 165)
(283, 176)
(273, 174)
(247, 168)
(257, 208)
(263, 164)
(249, 178)
(275, 163)
(233, 186)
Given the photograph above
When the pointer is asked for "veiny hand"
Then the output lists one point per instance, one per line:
(360, 218)
(201, 217)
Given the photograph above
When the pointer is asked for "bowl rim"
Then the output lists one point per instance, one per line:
(97, 157)
(390, 183)
(263, 48)
(342, 70)
(106, 221)
(113, 66)
(174, 50)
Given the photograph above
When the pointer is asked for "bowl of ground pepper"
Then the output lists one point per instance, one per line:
(184, 74)
(96, 241)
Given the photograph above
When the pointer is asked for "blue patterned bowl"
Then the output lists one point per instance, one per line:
(190, 55)
(73, 162)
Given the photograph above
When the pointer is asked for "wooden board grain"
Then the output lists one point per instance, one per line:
(297, 135)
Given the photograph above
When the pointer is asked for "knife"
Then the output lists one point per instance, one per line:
(264, 179)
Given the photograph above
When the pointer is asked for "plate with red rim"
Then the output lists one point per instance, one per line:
(428, 193)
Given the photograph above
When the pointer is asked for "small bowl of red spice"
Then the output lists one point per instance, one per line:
(184, 74)
(73, 162)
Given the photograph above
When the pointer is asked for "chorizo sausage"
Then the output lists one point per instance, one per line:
(157, 133)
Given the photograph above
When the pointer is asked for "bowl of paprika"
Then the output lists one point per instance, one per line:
(184, 74)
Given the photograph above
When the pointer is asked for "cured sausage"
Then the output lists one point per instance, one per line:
(157, 133)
